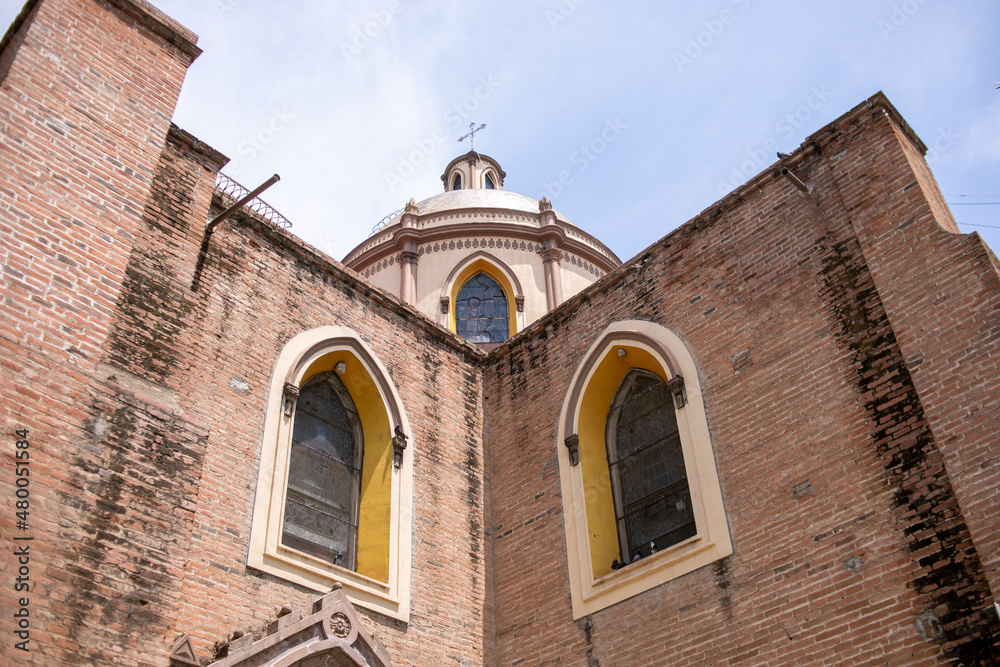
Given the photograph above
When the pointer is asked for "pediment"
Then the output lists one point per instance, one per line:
(330, 635)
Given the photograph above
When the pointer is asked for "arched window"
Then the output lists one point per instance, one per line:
(642, 503)
(334, 494)
(324, 473)
(652, 501)
(456, 183)
(481, 311)
(489, 182)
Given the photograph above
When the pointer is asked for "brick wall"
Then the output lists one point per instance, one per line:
(848, 397)
(947, 327)
(257, 287)
(848, 537)
(111, 485)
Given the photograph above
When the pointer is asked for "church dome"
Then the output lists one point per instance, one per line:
(477, 236)
(457, 200)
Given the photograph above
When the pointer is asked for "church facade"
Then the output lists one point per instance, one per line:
(769, 438)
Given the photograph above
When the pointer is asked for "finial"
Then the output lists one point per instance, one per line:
(544, 205)
(411, 207)
(472, 136)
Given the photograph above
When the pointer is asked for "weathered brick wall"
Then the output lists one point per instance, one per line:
(212, 327)
(83, 125)
(948, 327)
(119, 344)
(138, 356)
(113, 466)
(827, 404)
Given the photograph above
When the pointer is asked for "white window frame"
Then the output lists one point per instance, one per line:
(265, 552)
(712, 541)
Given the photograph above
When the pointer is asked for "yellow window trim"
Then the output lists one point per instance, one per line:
(382, 579)
(588, 514)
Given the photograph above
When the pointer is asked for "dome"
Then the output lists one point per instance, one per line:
(477, 258)
(470, 199)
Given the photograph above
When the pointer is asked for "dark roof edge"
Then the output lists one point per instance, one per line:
(160, 24)
(196, 145)
(144, 13)
(16, 24)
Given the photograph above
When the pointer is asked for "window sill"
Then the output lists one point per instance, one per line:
(310, 573)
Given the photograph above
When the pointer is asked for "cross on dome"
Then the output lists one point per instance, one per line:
(471, 136)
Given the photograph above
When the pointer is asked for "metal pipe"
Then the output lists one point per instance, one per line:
(794, 180)
(210, 227)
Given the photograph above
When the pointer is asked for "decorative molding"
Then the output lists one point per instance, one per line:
(183, 653)
(676, 388)
(551, 254)
(470, 243)
(390, 593)
(291, 395)
(583, 264)
(590, 592)
(519, 303)
(331, 632)
(445, 304)
(398, 446)
(573, 445)
(371, 257)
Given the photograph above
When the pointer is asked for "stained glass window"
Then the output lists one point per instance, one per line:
(648, 478)
(324, 473)
(481, 314)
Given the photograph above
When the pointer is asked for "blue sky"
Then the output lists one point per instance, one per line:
(649, 111)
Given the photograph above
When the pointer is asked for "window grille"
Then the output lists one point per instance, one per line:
(649, 482)
(324, 474)
(481, 311)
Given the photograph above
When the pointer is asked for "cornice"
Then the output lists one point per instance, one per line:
(535, 235)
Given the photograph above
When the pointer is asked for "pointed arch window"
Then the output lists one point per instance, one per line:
(456, 183)
(481, 311)
(637, 468)
(649, 482)
(324, 473)
(489, 181)
(333, 503)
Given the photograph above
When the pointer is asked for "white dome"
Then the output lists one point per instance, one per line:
(480, 198)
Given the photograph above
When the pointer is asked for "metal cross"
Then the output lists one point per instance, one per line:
(472, 136)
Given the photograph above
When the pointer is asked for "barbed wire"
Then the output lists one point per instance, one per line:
(231, 188)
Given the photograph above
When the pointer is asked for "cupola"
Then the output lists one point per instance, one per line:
(473, 171)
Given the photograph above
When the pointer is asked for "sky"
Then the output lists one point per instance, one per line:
(632, 117)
